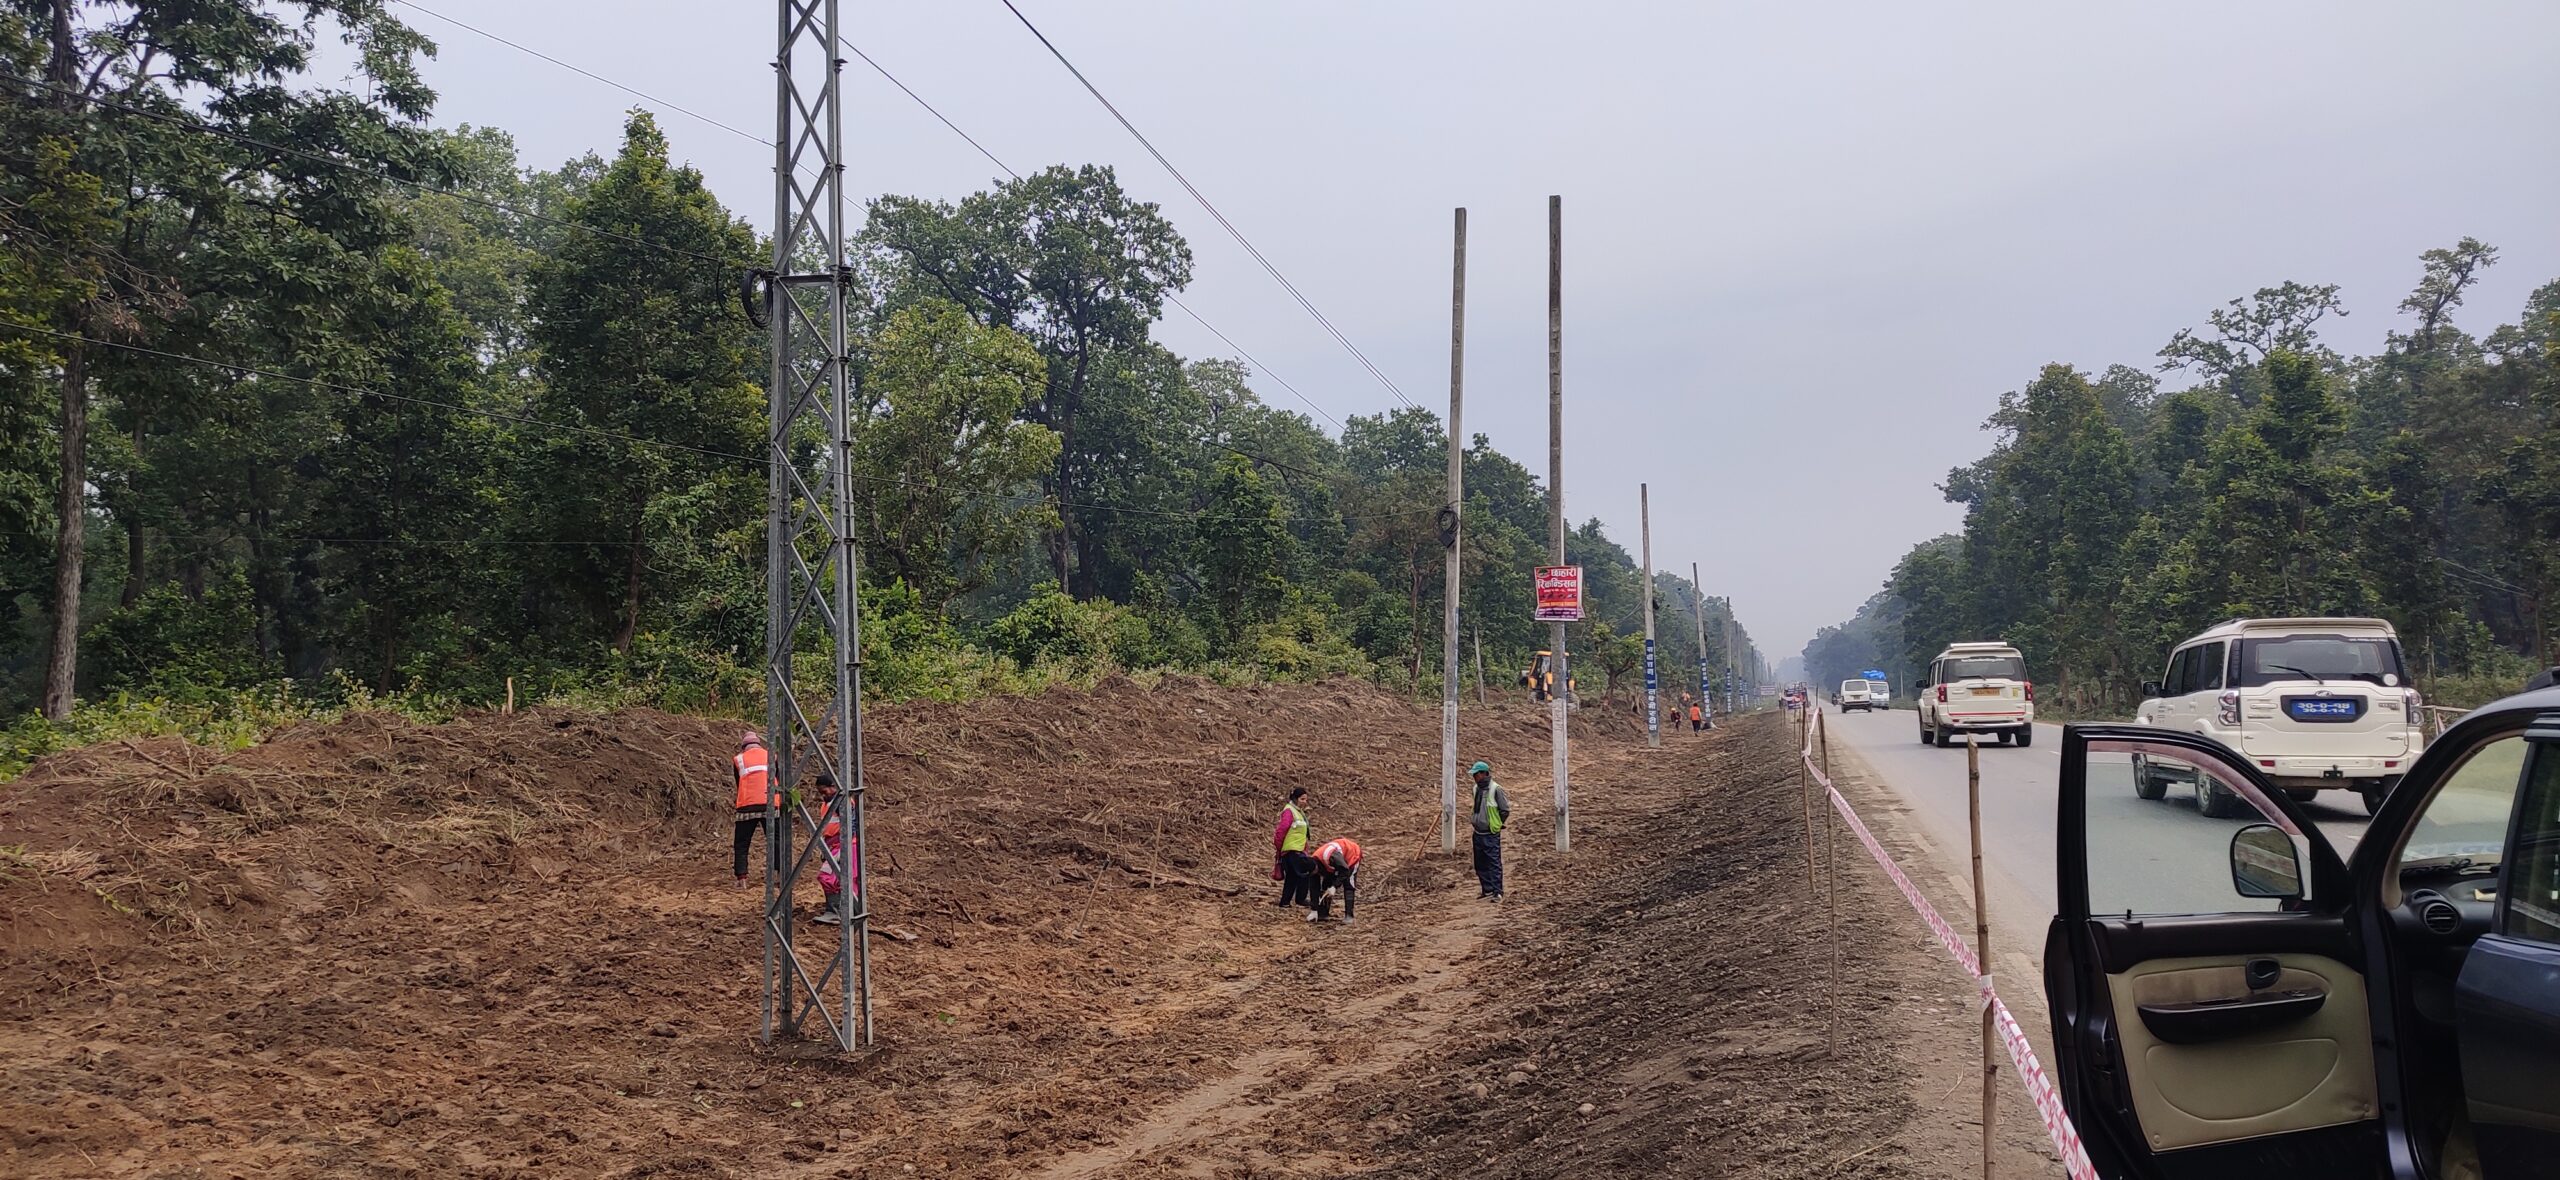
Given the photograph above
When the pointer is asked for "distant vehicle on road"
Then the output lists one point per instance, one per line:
(1978, 688)
(2315, 704)
(1854, 697)
(1879, 694)
(2393, 1015)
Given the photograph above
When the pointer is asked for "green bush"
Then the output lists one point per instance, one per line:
(172, 645)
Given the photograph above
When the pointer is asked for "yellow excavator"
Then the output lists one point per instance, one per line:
(1540, 677)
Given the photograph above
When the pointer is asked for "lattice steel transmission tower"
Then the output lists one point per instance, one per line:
(811, 969)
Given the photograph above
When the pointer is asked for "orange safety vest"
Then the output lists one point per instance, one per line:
(753, 789)
(1349, 849)
(1693, 713)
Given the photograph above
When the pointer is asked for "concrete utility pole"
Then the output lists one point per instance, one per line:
(1449, 536)
(1731, 707)
(1555, 511)
(1652, 682)
(1698, 611)
(811, 970)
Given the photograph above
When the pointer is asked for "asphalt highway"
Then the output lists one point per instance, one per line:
(2148, 856)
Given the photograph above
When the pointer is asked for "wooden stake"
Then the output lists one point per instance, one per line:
(511, 694)
(1981, 945)
(1479, 634)
(1822, 734)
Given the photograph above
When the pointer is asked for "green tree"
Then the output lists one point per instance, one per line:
(178, 215)
(1243, 550)
(641, 341)
(940, 460)
(1066, 258)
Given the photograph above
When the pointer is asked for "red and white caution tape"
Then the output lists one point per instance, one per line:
(2057, 1122)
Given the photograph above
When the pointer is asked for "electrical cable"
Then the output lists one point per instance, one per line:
(414, 186)
(1009, 170)
(589, 74)
(929, 108)
(1197, 195)
(564, 427)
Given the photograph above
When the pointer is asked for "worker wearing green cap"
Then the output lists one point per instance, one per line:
(1492, 810)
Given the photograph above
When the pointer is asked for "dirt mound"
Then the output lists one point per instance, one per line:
(509, 944)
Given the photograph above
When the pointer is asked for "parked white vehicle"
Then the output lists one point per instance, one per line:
(2313, 704)
(1855, 696)
(1978, 688)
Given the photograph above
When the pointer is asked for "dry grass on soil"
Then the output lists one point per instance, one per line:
(508, 946)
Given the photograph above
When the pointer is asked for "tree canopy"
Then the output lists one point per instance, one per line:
(2111, 520)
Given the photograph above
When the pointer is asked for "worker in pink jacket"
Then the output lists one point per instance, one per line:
(1290, 864)
(833, 837)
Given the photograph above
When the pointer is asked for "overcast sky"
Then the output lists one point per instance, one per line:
(1806, 245)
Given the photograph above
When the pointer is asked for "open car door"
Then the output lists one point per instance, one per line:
(2208, 996)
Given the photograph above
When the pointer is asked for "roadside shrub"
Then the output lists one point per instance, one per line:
(173, 645)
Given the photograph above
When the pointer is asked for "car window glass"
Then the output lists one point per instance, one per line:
(2370, 659)
(2178, 665)
(2208, 669)
(1985, 668)
(2530, 907)
(2169, 854)
(2461, 832)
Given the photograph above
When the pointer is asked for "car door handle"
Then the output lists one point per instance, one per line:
(2207, 1021)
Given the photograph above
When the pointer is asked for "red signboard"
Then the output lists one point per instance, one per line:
(1559, 594)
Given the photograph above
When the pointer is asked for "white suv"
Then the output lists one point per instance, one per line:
(1854, 696)
(1978, 688)
(2315, 704)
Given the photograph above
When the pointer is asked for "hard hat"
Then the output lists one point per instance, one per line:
(1480, 768)
(752, 739)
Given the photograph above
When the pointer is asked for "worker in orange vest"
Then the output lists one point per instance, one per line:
(1338, 866)
(755, 800)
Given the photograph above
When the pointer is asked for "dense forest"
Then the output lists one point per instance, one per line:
(308, 400)
(2117, 514)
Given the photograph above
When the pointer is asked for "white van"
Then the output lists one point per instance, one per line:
(1978, 688)
(2315, 704)
(1854, 696)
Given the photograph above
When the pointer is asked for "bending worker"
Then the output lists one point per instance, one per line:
(755, 799)
(1492, 810)
(1338, 871)
(1291, 866)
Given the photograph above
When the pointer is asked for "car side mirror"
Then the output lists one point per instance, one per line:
(2264, 863)
(2150, 689)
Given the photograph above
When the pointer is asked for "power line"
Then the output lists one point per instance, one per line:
(335, 387)
(920, 101)
(1008, 170)
(1197, 195)
(334, 162)
(586, 73)
(570, 428)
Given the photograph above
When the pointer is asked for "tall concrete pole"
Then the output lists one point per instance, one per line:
(1555, 512)
(1450, 537)
(1652, 680)
(1731, 706)
(1698, 611)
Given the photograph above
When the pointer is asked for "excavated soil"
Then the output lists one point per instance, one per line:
(509, 946)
